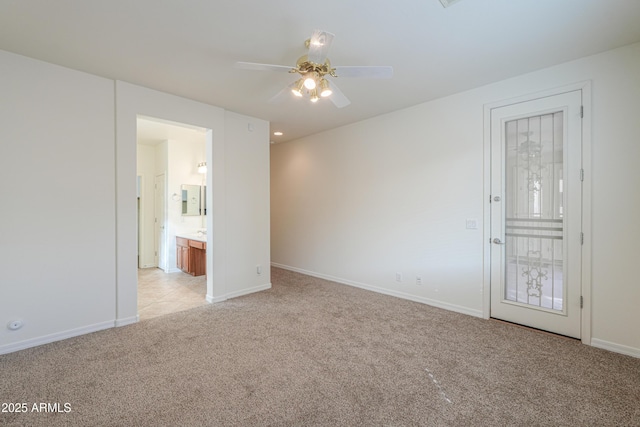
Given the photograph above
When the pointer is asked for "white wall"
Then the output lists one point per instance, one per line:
(68, 258)
(57, 196)
(391, 194)
(247, 201)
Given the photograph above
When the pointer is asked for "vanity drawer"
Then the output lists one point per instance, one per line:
(197, 244)
(182, 242)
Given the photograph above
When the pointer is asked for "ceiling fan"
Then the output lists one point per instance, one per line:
(314, 69)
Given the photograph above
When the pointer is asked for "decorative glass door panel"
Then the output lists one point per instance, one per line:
(534, 206)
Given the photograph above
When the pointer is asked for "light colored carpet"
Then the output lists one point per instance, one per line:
(312, 352)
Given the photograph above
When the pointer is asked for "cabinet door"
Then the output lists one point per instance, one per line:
(182, 254)
(198, 260)
(185, 260)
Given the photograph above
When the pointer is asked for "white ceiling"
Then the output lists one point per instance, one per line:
(153, 131)
(188, 47)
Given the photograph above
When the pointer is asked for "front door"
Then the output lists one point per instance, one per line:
(536, 213)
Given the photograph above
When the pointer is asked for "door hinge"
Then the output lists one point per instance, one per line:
(581, 238)
(582, 111)
(489, 198)
(581, 301)
(581, 174)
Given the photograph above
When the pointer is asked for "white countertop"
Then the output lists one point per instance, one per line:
(194, 236)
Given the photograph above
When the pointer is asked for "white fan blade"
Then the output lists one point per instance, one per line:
(262, 67)
(282, 95)
(319, 45)
(337, 97)
(372, 72)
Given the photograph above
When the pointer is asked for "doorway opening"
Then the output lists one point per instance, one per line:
(171, 162)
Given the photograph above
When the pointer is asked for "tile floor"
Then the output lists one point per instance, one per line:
(162, 293)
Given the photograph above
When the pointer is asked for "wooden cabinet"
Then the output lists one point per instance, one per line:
(191, 256)
(182, 254)
(197, 257)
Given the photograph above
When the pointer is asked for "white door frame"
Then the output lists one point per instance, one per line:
(140, 224)
(160, 245)
(585, 87)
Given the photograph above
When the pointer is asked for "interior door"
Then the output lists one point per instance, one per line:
(536, 212)
(160, 232)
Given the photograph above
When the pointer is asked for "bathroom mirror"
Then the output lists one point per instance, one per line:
(190, 200)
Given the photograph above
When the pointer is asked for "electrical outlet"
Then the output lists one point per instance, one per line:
(258, 270)
(419, 281)
(398, 277)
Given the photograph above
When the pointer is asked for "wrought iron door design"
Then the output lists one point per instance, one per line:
(534, 207)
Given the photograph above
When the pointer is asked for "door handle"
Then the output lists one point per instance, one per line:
(498, 241)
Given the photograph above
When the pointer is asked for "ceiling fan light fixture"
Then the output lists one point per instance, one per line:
(312, 68)
(297, 88)
(313, 95)
(325, 89)
(310, 81)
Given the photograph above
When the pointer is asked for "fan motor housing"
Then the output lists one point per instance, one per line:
(304, 66)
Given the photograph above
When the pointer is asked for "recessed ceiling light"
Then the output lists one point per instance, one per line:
(278, 133)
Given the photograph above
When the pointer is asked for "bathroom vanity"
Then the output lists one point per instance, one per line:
(191, 254)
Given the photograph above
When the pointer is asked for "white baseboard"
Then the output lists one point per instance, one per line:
(128, 321)
(248, 291)
(58, 336)
(212, 299)
(616, 348)
(415, 298)
(34, 342)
